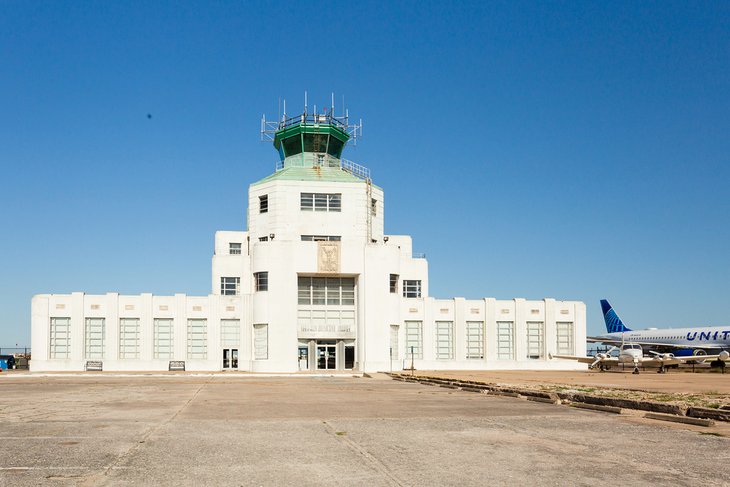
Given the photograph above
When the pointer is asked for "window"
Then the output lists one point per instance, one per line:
(535, 339)
(260, 342)
(505, 340)
(414, 339)
(230, 333)
(94, 338)
(333, 291)
(264, 239)
(234, 248)
(475, 339)
(60, 337)
(197, 339)
(412, 289)
(129, 338)
(261, 280)
(264, 203)
(321, 238)
(564, 332)
(373, 206)
(163, 338)
(230, 286)
(321, 201)
(444, 340)
(394, 329)
(393, 283)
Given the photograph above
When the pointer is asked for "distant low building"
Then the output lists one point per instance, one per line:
(313, 285)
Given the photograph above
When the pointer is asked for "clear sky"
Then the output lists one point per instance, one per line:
(575, 150)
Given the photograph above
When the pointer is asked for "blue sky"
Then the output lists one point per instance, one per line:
(575, 150)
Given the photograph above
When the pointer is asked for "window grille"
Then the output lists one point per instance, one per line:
(564, 332)
(163, 338)
(94, 338)
(230, 333)
(475, 339)
(197, 339)
(394, 329)
(373, 206)
(535, 339)
(230, 286)
(261, 280)
(260, 342)
(414, 339)
(128, 338)
(234, 248)
(336, 291)
(444, 340)
(412, 288)
(264, 203)
(60, 338)
(505, 340)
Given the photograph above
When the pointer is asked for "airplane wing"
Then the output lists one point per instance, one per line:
(586, 360)
(652, 344)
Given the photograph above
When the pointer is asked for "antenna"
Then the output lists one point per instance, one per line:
(332, 110)
(284, 109)
(305, 102)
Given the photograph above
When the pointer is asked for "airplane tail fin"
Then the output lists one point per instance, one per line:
(613, 322)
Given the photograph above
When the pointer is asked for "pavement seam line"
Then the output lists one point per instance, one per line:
(94, 479)
(371, 460)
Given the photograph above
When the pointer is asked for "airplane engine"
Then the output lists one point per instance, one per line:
(724, 356)
(699, 353)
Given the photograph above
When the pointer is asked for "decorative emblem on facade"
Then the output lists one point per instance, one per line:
(328, 257)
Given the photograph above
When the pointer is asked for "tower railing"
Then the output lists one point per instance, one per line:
(357, 170)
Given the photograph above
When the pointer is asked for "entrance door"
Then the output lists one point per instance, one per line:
(230, 358)
(326, 355)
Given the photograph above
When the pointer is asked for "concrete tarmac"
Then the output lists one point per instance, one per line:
(229, 430)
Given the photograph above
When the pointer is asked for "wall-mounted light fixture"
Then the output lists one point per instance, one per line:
(385, 239)
(271, 236)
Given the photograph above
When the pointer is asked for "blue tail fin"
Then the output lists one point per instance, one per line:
(613, 322)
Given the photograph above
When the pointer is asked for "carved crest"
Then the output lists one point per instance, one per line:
(328, 257)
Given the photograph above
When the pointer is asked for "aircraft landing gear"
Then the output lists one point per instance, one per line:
(636, 370)
(662, 370)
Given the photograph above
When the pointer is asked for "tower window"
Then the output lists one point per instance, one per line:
(234, 248)
(261, 280)
(321, 238)
(321, 201)
(412, 289)
(230, 285)
(264, 203)
(373, 206)
(394, 283)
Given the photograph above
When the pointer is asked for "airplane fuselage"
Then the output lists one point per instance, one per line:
(704, 337)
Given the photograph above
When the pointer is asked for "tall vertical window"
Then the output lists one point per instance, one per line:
(260, 342)
(394, 283)
(320, 201)
(60, 346)
(230, 285)
(163, 338)
(475, 339)
(261, 281)
(412, 289)
(234, 248)
(564, 332)
(197, 339)
(394, 329)
(373, 206)
(414, 339)
(129, 338)
(264, 203)
(505, 340)
(535, 339)
(94, 338)
(444, 340)
(230, 333)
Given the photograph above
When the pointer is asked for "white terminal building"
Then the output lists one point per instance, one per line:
(313, 284)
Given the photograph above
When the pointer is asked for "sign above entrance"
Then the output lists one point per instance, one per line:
(328, 257)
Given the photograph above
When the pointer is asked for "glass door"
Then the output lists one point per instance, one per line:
(326, 355)
(230, 358)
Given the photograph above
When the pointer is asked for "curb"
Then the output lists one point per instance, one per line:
(680, 419)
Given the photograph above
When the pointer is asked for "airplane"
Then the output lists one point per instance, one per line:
(685, 341)
(633, 354)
